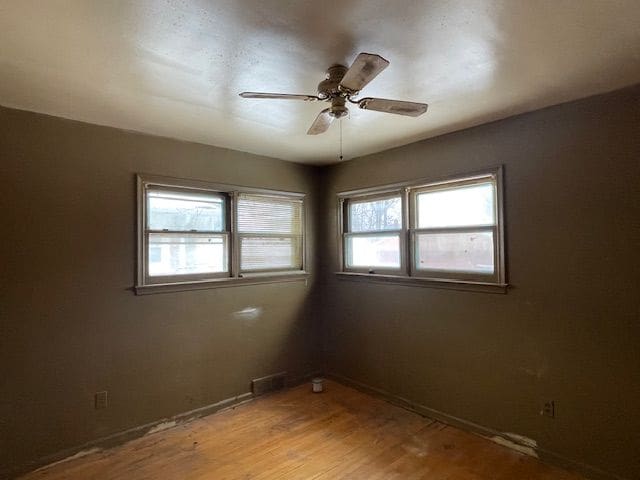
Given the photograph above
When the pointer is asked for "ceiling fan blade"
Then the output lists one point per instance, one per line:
(321, 123)
(279, 96)
(410, 109)
(365, 68)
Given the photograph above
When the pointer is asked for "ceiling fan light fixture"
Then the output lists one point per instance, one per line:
(338, 108)
(339, 112)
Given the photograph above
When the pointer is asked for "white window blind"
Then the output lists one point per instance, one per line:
(270, 232)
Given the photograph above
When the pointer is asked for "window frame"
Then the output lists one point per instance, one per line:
(409, 274)
(163, 279)
(401, 233)
(234, 276)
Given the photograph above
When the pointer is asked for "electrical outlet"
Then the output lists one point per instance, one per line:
(549, 409)
(101, 400)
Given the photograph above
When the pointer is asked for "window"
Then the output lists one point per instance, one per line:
(197, 233)
(448, 231)
(186, 234)
(373, 234)
(270, 232)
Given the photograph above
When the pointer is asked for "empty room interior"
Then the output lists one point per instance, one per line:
(320, 240)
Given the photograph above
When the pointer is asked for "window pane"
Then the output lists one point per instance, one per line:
(373, 251)
(455, 207)
(384, 214)
(461, 252)
(270, 253)
(184, 211)
(264, 214)
(184, 254)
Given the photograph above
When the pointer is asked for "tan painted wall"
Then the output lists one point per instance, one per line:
(568, 329)
(69, 322)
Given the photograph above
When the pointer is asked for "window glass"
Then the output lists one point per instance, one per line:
(462, 206)
(376, 215)
(460, 252)
(382, 251)
(184, 254)
(270, 253)
(178, 211)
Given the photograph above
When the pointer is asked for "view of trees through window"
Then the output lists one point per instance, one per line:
(383, 214)
(381, 250)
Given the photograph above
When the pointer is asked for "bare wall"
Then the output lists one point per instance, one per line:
(70, 324)
(567, 330)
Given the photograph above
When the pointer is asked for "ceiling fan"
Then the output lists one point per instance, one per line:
(340, 85)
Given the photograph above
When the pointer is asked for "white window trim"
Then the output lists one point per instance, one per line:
(401, 233)
(227, 279)
(408, 275)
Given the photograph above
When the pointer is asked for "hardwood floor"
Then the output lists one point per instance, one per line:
(338, 434)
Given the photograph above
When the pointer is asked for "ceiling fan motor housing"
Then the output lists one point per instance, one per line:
(329, 87)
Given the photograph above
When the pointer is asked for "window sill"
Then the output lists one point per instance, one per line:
(424, 282)
(247, 279)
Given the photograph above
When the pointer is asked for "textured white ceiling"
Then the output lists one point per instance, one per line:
(174, 68)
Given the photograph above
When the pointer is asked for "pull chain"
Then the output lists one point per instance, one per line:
(341, 157)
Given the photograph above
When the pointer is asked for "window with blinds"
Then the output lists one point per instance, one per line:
(270, 233)
(186, 233)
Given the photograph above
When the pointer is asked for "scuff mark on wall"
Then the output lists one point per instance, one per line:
(80, 454)
(248, 313)
(162, 426)
(517, 442)
(537, 373)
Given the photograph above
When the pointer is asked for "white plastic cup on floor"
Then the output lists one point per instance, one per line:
(317, 385)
